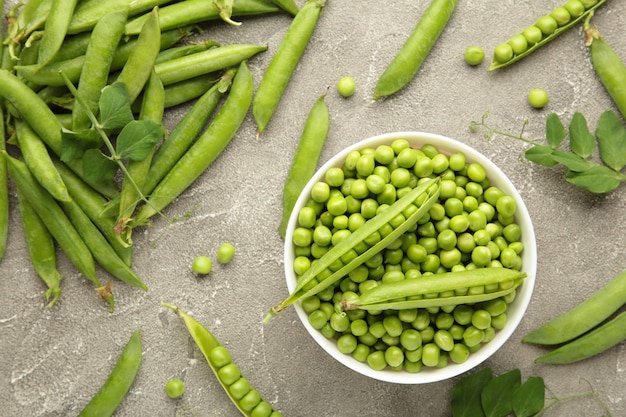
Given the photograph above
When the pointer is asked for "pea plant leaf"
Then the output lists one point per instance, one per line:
(137, 139)
(541, 154)
(529, 398)
(597, 179)
(581, 140)
(98, 167)
(466, 394)
(555, 131)
(115, 109)
(572, 161)
(611, 135)
(74, 144)
(497, 395)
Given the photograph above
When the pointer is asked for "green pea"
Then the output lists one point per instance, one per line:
(174, 388)
(575, 8)
(518, 43)
(302, 236)
(334, 177)
(320, 192)
(263, 409)
(393, 325)
(346, 86)
(481, 319)
(361, 352)
(459, 223)
(532, 34)
(250, 400)
(347, 343)
(465, 242)
(459, 353)
(423, 167)
(376, 360)
(318, 319)
(547, 24)
(498, 322)
(407, 157)
(474, 55)
(444, 340)
(561, 16)
(307, 217)
(440, 163)
(394, 356)
(229, 373)
(538, 98)
(506, 206)
(481, 255)
(239, 388)
(365, 165)
(202, 265)
(225, 253)
(220, 356)
(384, 154)
(503, 53)
(339, 322)
(472, 336)
(430, 354)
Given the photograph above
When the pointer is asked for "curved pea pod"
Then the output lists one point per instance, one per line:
(206, 62)
(289, 6)
(610, 68)
(305, 159)
(89, 12)
(284, 62)
(409, 59)
(593, 343)
(206, 149)
(533, 38)
(425, 193)
(55, 29)
(585, 316)
(380, 297)
(119, 381)
(209, 345)
(41, 249)
(54, 218)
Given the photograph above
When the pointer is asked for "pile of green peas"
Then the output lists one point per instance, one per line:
(545, 28)
(471, 226)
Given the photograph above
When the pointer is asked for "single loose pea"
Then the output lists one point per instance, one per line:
(346, 86)
(174, 388)
(225, 253)
(538, 98)
(474, 55)
(202, 265)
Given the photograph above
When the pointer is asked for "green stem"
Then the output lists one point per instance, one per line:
(474, 126)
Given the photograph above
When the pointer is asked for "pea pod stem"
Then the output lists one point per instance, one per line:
(402, 69)
(305, 159)
(545, 39)
(284, 62)
(608, 65)
(371, 226)
(41, 249)
(583, 317)
(119, 381)
(590, 344)
(435, 284)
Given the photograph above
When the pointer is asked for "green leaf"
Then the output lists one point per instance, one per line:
(572, 161)
(598, 179)
(611, 135)
(466, 394)
(115, 110)
(74, 144)
(497, 395)
(541, 154)
(581, 140)
(98, 167)
(137, 139)
(529, 398)
(555, 132)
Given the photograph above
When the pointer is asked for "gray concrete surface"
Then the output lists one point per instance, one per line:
(54, 360)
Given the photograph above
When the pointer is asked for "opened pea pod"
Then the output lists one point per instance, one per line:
(545, 29)
(247, 400)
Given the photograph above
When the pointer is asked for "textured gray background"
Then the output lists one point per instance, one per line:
(54, 360)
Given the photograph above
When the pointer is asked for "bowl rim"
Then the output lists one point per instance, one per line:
(517, 309)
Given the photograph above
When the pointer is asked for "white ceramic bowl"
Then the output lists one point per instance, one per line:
(516, 309)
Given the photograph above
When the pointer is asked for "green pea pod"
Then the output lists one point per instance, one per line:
(4, 190)
(117, 385)
(54, 218)
(140, 63)
(140, 6)
(104, 40)
(206, 149)
(89, 12)
(206, 62)
(184, 50)
(409, 59)
(284, 62)
(608, 65)
(188, 90)
(32, 109)
(426, 193)
(93, 204)
(582, 318)
(49, 74)
(590, 344)
(530, 44)
(189, 12)
(152, 109)
(189, 127)
(289, 6)
(41, 249)
(305, 159)
(32, 17)
(210, 346)
(55, 29)
(39, 163)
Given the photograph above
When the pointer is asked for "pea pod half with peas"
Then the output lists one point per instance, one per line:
(544, 30)
(247, 399)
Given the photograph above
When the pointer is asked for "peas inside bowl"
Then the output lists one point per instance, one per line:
(475, 221)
